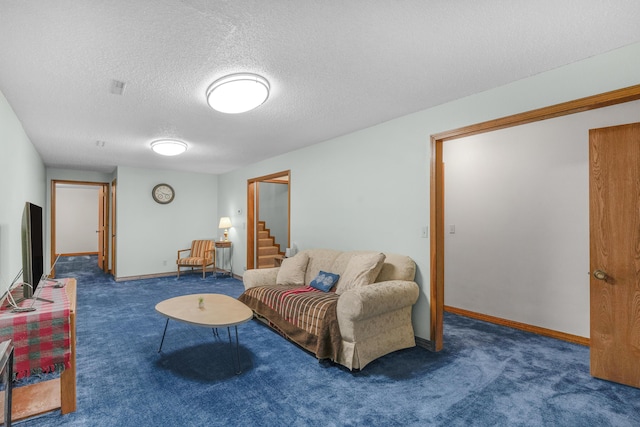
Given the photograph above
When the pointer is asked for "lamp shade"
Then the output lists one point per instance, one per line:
(168, 147)
(225, 222)
(238, 93)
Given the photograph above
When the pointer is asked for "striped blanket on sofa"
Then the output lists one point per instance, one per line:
(302, 314)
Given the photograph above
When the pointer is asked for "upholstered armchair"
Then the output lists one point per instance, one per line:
(200, 255)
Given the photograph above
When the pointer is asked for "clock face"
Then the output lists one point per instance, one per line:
(163, 193)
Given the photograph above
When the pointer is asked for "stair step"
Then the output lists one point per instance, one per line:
(265, 242)
(267, 261)
(268, 250)
(263, 234)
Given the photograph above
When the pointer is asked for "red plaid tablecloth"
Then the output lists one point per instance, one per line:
(41, 338)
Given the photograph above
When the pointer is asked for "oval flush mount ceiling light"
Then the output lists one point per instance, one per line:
(238, 93)
(168, 147)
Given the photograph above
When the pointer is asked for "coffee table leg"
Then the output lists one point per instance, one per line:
(163, 334)
(238, 371)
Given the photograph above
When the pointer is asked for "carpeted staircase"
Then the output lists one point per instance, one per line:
(268, 249)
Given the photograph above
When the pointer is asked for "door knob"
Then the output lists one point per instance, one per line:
(600, 275)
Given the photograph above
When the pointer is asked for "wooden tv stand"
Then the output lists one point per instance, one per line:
(59, 393)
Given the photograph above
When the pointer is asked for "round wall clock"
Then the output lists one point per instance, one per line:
(163, 193)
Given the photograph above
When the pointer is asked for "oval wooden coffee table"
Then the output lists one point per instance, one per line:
(216, 311)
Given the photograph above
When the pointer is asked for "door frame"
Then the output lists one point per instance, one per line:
(104, 220)
(253, 204)
(113, 226)
(436, 211)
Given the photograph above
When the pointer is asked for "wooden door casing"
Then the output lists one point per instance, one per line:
(253, 208)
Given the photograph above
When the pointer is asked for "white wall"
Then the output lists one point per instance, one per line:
(519, 200)
(376, 195)
(274, 210)
(76, 219)
(22, 178)
(149, 234)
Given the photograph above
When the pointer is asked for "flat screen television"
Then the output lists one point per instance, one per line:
(32, 248)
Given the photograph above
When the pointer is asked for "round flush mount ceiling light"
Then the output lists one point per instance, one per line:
(168, 147)
(238, 93)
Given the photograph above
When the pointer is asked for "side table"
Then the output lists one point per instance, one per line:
(58, 393)
(226, 260)
(6, 378)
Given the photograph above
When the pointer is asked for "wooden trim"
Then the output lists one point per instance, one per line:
(271, 176)
(251, 225)
(607, 99)
(437, 244)
(103, 222)
(112, 233)
(576, 339)
(52, 225)
(256, 230)
(615, 97)
(78, 254)
(68, 376)
(289, 209)
(156, 275)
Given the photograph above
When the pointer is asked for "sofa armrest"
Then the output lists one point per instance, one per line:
(260, 277)
(378, 298)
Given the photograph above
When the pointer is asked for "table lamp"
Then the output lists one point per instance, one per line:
(225, 222)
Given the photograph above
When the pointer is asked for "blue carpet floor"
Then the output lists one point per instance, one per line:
(487, 375)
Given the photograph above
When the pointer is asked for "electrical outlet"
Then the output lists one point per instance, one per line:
(239, 212)
(424, 232)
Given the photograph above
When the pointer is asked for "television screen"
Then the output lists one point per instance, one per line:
(32, 248)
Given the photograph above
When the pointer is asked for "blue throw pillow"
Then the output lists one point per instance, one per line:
(324, 281)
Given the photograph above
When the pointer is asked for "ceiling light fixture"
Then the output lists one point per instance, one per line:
(238, 93)
(168, 147)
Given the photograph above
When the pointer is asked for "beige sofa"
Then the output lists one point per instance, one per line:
(373, 306)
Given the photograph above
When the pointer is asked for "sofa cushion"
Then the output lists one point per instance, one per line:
(362, 270)
(292, 270)
(397, 267)
(319, 259)
(324, 281)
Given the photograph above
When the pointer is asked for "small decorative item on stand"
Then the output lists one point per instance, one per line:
(200, 302)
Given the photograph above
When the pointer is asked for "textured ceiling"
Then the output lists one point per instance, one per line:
(334, 67)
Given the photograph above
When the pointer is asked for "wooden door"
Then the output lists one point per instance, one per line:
(103, 221)
(614, 193)
(113, 228)
(100, 230)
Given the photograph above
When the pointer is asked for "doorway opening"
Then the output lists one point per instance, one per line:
(268, 219)
(80, 220)
(437, 207)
